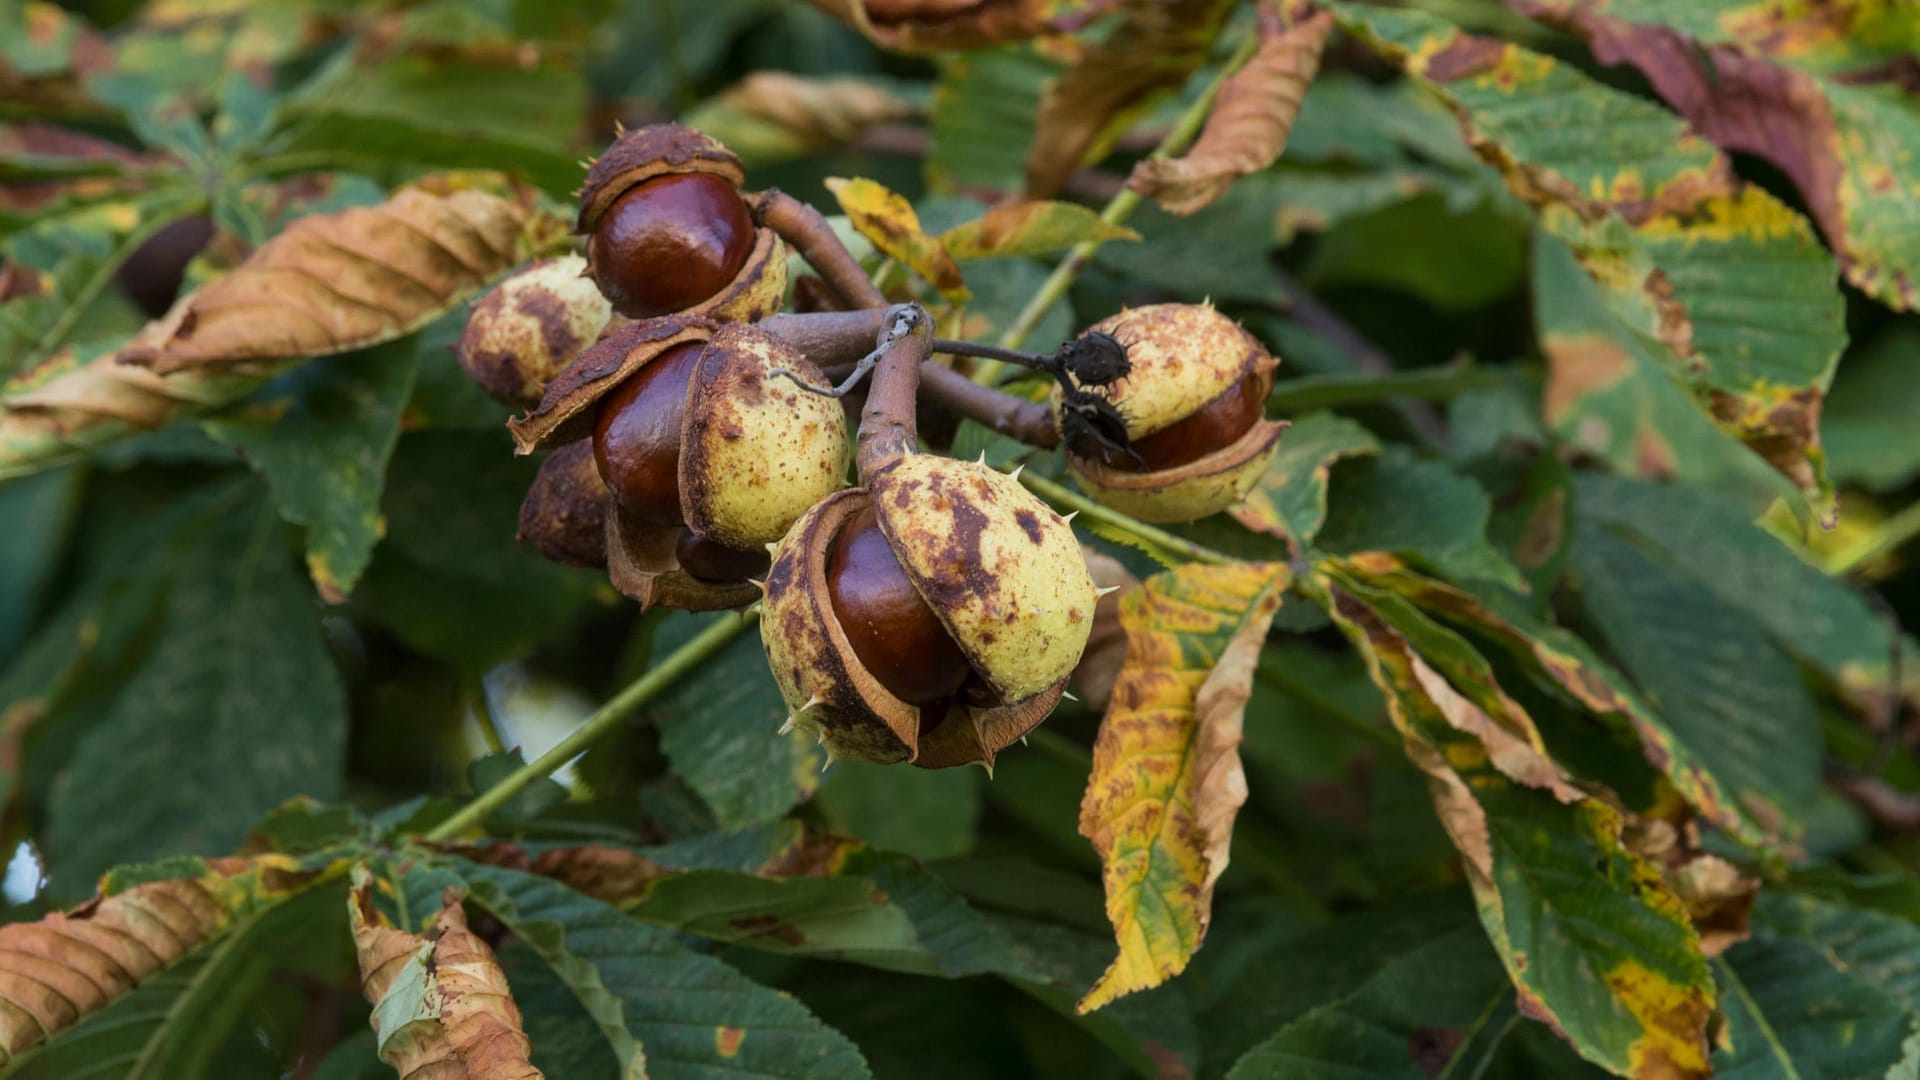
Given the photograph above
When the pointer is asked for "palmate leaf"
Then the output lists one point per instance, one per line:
(1167, 780)
(1290, 500)
(138, 978)
(1594, 940)
(586, 973)
(1723, 284)
(1748, 76)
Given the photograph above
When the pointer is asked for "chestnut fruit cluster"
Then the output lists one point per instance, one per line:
(698, 451)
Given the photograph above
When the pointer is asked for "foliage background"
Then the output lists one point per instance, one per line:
(315, 590)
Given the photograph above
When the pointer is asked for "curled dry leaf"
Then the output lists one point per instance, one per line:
(334, 282)
(930, 25)
(71, 405)
(1255, 110)
(1159, 44)
(441, 1006)
(1167, 780)
(773, 115)
(69, 965)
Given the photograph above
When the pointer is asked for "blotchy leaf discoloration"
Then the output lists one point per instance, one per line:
(1167, 780)
(888, 219)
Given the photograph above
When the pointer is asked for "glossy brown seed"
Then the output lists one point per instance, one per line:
(717, 564)
(1215, 426)
(670, 243)
(636, 436)
(892, 630)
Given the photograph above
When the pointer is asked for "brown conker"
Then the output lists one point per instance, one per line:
(636, 436)
(1217, 425)
(716, 563)
(886, 620)
(670, 243)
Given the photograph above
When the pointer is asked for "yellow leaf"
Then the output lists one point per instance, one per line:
(887, 219)
(1030, 228)
(1167, 779)
(441, 1006)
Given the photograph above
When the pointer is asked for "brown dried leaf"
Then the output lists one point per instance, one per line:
(441, 1006)
(931, 25)
(1251, 119)
(69, 965)
(1159, 44)
(776, 115)
(335, 282)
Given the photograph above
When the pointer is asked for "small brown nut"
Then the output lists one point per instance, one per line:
(564, 515)
(1193, 406)
(668, 232)
(530, 326)
(999, 570)
(713, 457)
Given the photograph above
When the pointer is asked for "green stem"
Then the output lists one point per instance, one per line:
(1117, 211)
(483, 715)
(636, 694)
(1060, 496)
(1890, 534)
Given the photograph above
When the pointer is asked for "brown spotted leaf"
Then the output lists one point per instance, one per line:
(441, 1005)
(1721, 286)
(67, 966)
(334, 282)
(1156, 46)
(1738, 70)
(1167, 780)
(1595, 939)
(1255, 110)
(887, 219)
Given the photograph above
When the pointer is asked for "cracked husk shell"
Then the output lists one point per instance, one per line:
(1020, 604)
(566, 411)
(1189, 492)
(1183, 356)
(643, 153)
(564, 516)
(529, 327)
(997, 565)
(642, 565)
(756, 450)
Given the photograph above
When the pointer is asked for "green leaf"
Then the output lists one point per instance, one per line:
(1030, 228)
(322, 436)
(1291, 498)
(1593, 938)
(449, 579)
(1456, 259)
(1819, 620)
(1436, 1006)
(417, 110)
(1821, 990)
(237, 708)
(583, 966)
(1397, 502)
(1867, 422)
(31, 553)
(983, 116)
(719, 729)
(929, 815)
(1725, 688)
